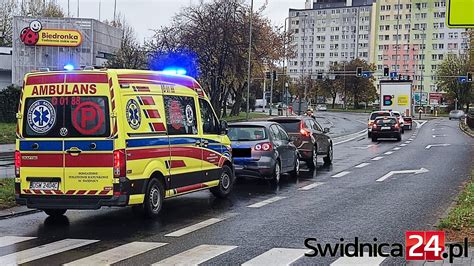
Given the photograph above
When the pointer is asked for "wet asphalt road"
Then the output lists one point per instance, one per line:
(343, 200)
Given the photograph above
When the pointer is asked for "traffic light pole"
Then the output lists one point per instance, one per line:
(271, 93)
(264, 97)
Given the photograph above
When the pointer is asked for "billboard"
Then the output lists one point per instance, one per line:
(396, 96)
(35, 35)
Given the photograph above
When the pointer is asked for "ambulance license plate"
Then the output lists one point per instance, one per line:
(44, 185)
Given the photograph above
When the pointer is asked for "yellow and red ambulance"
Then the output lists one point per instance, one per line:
(93, 138)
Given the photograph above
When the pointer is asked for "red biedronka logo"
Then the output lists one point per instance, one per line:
(35, 35)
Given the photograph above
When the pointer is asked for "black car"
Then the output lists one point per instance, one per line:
(310, 138)
(386, 127)
(262, 149)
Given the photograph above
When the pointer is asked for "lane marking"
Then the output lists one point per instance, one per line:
(265, 202)
(341, 174)
(117, 254)
(439, 136)
(408, 142)
(365, 147)
(311, 186)
(356, 133)
(391, 173)
(362, 165)
(420, 124)
(410, 139)
(196, 255)
(437, 145)
(363, 260)
(194, 227)
(353, 138)
(277, 256)
(396, 148)
(403, 145)
(388, 152)
(10, 240)
(44, 251)
(377, 158)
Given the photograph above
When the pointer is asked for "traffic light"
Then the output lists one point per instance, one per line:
(359, 72)
(386, 72)
(275, 75)
(469, 76)
(268, 74)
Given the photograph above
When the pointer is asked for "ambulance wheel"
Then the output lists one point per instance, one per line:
(155, 194)
(226, 182)
(55, 212)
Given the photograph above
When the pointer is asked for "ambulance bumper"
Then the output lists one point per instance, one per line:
(70, 202)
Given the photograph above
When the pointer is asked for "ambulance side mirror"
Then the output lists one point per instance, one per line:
(223, 127)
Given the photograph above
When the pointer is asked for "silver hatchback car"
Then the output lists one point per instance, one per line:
(456, 114)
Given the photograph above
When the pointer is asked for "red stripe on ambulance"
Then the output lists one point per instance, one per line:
(86, 78)
(90, 160)
(157, 127)
(41, 160)
(45, 79)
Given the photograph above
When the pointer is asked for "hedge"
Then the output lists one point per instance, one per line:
(9, 98)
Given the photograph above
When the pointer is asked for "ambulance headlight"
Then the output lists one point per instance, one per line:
(68, 67)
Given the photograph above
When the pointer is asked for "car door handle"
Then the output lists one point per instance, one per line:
(74, 151)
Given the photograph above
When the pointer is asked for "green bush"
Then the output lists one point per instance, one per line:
(9, 98)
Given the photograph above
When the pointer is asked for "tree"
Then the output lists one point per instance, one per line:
(131, 54)
(32, 8)
(451, 68)
(216, 33)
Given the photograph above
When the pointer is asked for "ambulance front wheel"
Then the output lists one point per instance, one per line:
(226, 182)
(55, 212)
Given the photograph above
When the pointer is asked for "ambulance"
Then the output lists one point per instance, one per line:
(93, 138)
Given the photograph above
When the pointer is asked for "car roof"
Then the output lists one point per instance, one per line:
(286, 118)
(252, 123)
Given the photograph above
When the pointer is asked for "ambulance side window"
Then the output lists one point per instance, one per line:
(210, 124)
(180, 115)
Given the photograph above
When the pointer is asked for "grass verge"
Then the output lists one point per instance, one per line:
(242, 117)
(460, 221)
(7, 193)
(7, 133)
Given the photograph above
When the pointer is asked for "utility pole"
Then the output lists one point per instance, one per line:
(271, 91)
(77, 8)
(303, 66)
(115, 11)
(422, 67)
(264, 88)
(248, 67)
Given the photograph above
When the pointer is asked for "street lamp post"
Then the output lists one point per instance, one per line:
(422, 70)
(303, 65)
(284, 69)
(248, 70)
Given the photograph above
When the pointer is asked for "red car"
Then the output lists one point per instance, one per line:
(386, 127)
(408, 122)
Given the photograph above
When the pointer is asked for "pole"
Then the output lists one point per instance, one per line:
(286, 97)
(100, 2)
(304, 62)
(422, 69)
(271, 92)
(284, 69)
(248, 67)
(264, 88)
(115, 11)
(77, 8)
(396, 46)
(68, 14)
(303, 67)
(345, 92)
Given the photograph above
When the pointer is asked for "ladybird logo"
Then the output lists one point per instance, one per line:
(35, 35)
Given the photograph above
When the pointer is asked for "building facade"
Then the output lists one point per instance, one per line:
(55, 42)
(411, 38)
(328, 32)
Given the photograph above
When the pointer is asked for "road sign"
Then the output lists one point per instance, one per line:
(462, 79)
(460, 14)
(366, 74)
(393, 74)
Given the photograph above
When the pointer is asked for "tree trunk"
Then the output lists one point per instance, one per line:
(333, 102)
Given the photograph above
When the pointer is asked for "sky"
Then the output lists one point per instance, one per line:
(145, 15)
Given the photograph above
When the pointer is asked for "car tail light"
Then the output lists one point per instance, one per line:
(374, 125)
(120, 167)
(396, 126)
(17, 163)
(266, 146)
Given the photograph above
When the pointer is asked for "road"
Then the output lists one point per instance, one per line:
(263, 224)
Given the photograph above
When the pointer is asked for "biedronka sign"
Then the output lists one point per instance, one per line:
(35, 35)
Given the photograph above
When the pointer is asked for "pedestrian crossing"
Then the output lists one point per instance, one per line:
(192, 256)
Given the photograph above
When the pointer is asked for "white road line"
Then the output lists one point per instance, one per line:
(364, 260)
(388, 152)
(311, 186)
(10, 240)
(277, 256)
(403, 145)
(419, 125)
(265, 202)
(341, 174)
(377, 158)
(356, 133)
(196, 255)
(36, 253)
(437, 145)
(117, 254)
(194, 227)
(362, 165)
(396, 148)
(410, 139)
(347, 140)
(407, 142)
(439, 136)
(391, 173)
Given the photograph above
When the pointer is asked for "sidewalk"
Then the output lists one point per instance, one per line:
(16, 211)
(7, 148)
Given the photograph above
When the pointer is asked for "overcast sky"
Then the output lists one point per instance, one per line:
(144, 15)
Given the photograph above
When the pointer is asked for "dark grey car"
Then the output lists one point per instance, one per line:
(262, 149)
(310, 138)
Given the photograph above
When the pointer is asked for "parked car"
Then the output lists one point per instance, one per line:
(262, 149)
(310, 138)
(408, 122)
(456, 114)
(321, 107)
(400, 120)
(386, 127)
(372, 117)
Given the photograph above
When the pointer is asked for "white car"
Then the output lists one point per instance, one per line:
(321, 107)
(400, 120)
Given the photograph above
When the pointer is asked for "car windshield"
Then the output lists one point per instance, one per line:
(389, 121)
(375, 115)
(246, 133)
(291, 126)
(396, 114)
